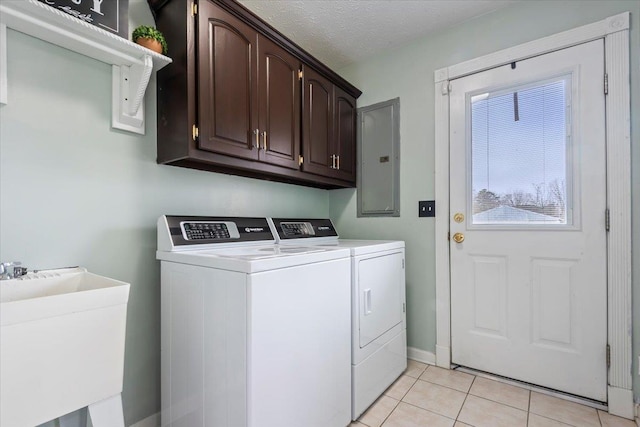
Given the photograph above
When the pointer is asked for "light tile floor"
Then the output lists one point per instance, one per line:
(428, 396)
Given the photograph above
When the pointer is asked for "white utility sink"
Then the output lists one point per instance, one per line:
(61, 347)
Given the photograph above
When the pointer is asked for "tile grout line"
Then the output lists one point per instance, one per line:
(528, 407)
(427, 410)
(599, 418)
(557, 421)
(465, 398)
(500, 403)
(392, 411)
(446, 386)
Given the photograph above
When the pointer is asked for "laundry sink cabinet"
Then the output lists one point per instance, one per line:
(241, 98)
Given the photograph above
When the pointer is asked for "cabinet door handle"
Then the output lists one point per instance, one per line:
(338, 163)
(257, 134)
(264, 140)
(333, 161)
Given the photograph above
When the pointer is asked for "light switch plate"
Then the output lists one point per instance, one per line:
(426, 208)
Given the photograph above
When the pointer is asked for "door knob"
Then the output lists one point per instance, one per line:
(458, 217)
(458, 237)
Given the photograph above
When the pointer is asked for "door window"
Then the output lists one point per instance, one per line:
(521, 155)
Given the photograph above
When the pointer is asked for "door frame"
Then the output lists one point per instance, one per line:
(615, 32)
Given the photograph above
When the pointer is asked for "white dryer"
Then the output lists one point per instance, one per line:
(252, 334)
(378, 315)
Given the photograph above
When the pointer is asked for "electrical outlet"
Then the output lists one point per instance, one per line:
(426, 208)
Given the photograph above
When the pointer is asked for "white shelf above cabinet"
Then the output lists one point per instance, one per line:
(132, 64)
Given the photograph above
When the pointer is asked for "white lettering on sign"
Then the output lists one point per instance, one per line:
(73, 12)
(96, 5)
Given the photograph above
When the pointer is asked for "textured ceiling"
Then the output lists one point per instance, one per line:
(340, 32)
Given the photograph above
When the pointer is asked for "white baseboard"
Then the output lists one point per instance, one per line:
(621, 402)
(421, 355)
(150, 421)
(443, 356)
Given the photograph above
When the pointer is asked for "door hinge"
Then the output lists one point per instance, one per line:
(403, 263)
(446, 87)
(300, 160)
(608, 356)
(404, 307)
(194, 9)
(606, 84)
(194, 132)
(607, 219)
(448, 235)
(300, 74)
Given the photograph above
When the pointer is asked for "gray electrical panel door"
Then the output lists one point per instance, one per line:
(379, 159)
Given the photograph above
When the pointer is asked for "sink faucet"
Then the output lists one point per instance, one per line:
(11, 270)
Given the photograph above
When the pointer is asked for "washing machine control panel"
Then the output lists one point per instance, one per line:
(186, 232)
(204, 230)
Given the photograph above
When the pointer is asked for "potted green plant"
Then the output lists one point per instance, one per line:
(150, 38)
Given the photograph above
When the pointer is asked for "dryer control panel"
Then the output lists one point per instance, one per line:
(289, 228)
(297, 229)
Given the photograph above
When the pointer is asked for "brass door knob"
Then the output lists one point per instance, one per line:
(458, 217)
(458, 237)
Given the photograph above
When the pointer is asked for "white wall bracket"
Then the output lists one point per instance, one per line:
(129, 84)
(132, 63)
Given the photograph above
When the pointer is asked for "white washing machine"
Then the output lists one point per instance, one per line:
(378, 315)
(252, 334)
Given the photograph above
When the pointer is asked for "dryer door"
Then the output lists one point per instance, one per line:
(380, 284)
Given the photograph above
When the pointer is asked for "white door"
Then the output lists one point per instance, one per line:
(528, 196)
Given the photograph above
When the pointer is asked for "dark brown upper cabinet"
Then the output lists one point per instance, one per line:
(329, 123)
(317, 123)
(279, 83)
(249, 98)
(228, 83)
(345, 116)
(240, 98)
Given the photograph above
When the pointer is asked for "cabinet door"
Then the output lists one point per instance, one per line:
(345, 115)
(227, 94)
(317, 123)
(279, 117)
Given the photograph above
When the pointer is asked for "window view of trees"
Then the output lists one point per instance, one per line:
(543, 199)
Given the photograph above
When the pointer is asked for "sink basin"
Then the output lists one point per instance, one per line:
(61, 343)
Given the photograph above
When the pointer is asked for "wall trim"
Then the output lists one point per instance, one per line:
(150, 421)
(615, 32)
(579, 35)
(621, 402)
(421, 356)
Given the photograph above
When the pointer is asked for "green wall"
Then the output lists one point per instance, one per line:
(408, 73)
(73, 191)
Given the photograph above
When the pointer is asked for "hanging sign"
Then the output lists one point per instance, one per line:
(110, 15)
